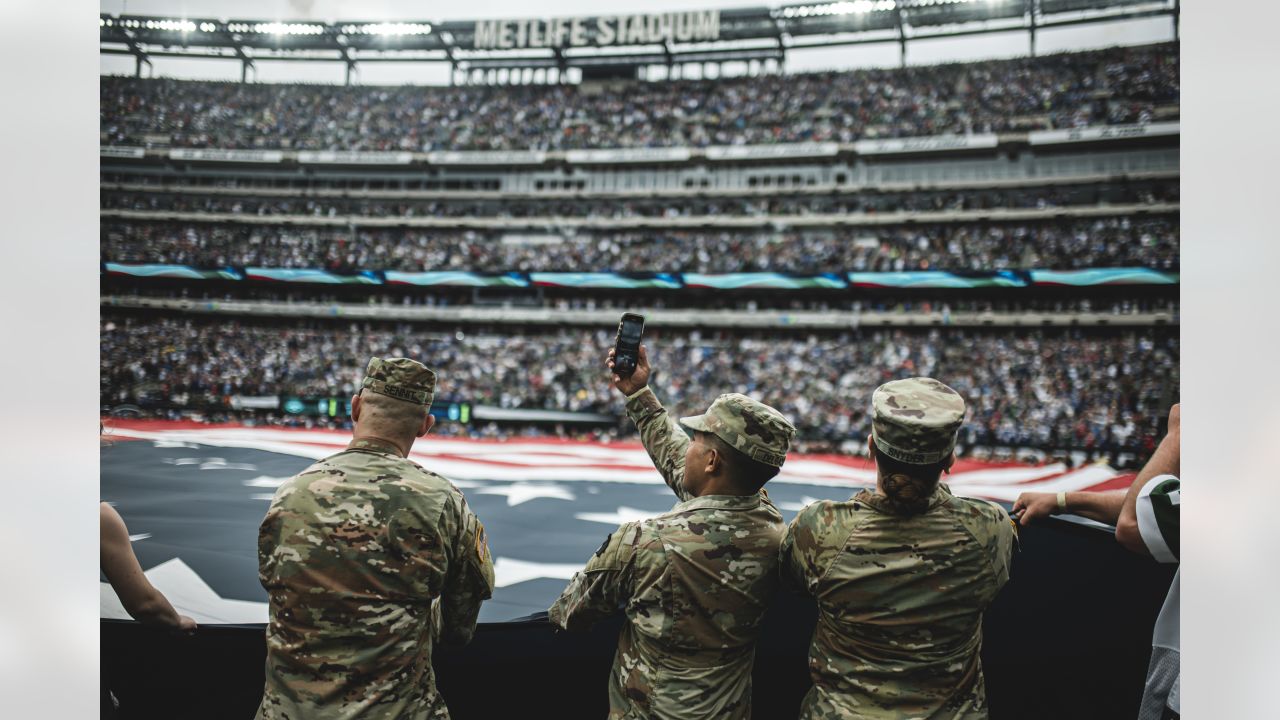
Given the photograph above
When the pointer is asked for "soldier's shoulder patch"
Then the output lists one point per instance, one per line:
(617, 549)
(482, 543)
(604, 545)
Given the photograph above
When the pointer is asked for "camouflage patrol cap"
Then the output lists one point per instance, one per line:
(400, 378)
(915, 420)
(757, 430)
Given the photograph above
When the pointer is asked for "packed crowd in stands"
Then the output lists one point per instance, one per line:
(1110, 301)
(1118, 85)
(915, 201)
(1061, 244)
(1031, 389)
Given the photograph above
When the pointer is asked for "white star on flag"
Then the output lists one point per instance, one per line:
(622, 515)
(797, 506)
(190, 595)
(523, 492)
(507, 571)
(266, 481)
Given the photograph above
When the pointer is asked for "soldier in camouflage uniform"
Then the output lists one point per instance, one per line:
(369, 558)
(694, 582)
(901, 575)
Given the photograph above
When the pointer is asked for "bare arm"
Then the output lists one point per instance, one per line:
(1101, 506)
(1165, 461)
(140, 598)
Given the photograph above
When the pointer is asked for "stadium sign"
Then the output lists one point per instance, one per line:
(772, 152)
(893, 146)
(648, 29)
(213, 155)
(486, 157)
(353, 157)
(627, 155)
(1104, 132)
(254, 402)
(121, 151)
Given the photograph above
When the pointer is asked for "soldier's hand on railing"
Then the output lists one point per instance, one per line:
(638, 379)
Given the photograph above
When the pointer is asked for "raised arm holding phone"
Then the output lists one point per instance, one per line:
(688, 646)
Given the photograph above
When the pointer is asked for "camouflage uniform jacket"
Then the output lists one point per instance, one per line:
(900, 603)
(693, 583)
(367, 559)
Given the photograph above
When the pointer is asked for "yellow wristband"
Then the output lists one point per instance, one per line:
(1062, 501)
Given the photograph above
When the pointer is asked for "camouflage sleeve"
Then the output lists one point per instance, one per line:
(470, 579)
(603, 586)
(790, 564)
(1003, 543)
(812, 542)
(662, 436)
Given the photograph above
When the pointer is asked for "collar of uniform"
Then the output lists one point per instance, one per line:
(726, 502)
(374, 445)
(941, 494)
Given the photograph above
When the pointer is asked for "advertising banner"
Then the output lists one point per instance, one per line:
(938, 279)
(773, 281)
(892, 146)
(304, 275)
(1104, 132)
(605, 280)
(465, 279)
(213, 155)
(1104, 276)
(154, 270)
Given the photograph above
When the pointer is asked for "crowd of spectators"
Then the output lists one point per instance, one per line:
(1109, 301)
(611, 208)
(1042, 389)
(1058, 244)
(1118, 85)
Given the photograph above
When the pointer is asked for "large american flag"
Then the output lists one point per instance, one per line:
(193, 494)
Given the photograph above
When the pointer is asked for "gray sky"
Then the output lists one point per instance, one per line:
(921, 52)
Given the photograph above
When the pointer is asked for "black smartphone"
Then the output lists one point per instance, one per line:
(626, 349)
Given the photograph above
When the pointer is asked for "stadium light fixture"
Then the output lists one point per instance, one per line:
(277, 28)
(394, 29)
(170, 25)
(846, 7)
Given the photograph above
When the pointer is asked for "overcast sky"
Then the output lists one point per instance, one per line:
(920, 52)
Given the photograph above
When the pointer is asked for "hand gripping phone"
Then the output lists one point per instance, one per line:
(626, 349)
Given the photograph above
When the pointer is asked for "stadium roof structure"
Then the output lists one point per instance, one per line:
(607, 45)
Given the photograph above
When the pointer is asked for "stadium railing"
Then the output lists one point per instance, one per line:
(1069, 637)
